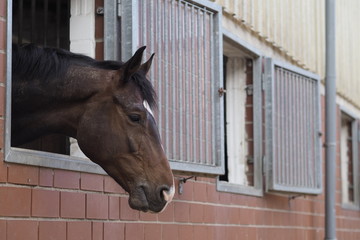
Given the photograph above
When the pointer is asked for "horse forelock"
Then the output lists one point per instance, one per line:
(146, 89)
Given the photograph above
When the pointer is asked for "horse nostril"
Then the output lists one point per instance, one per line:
(167, 193)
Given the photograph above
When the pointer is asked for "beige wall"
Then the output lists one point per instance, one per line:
(295, 30)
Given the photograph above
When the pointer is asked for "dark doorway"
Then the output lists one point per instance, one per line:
(44, 23)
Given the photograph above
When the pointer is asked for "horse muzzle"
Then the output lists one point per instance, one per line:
(153, 200)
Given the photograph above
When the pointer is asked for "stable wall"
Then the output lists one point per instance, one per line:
(40, 203)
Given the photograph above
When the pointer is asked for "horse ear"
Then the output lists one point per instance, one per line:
(146, 66)
(133, 64)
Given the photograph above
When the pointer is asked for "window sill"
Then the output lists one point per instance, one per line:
(223, 186)
(52, 160)
(350, 206)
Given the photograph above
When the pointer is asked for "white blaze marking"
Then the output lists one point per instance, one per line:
(147, 107)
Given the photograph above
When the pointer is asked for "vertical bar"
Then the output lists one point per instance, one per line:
(269, 114)
(166, 76)
(303, 87)
(111, 33)
(58, 14)
(292, 120)
(300, 112)
(206, 92)
(330, 121)
(288, 132)
(9, 27)
(186, 49)
(212, 84)
(280, 130)
(355, 158)
(175, 81)
(279, 113)
(193, 87)
(198, 63)
(296, 161)
(129, 33)
(276, 128)
(158, 42)
(142, 26)
(314, 134)
(33, 20)
(151, 33)
(46, 6)
(20, 21)
(181, 80)
(308, 132)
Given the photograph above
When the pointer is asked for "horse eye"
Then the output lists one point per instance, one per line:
(135, 118)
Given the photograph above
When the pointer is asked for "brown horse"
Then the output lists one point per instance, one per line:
(104, 105)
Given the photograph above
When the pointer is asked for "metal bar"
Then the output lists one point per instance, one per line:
(276, 124)
(186, 50)
(206, 109)
(313, 134)
(287, 131)
(58, 15)
(166, 75)
(269, 79)
(283, 129)
(175, 81)
(150, 25)
(298, 159)
(193, 80)
(302, 146)
(9, 27)
(200, 89)
(158, 45)
(33, 20)
(20, 21)
(355, 158)
(307, 131)
(46, 8)
(280, 130)
(330, 122)
(181, 80)
(258, 124)
(212, 83)
(111, 33)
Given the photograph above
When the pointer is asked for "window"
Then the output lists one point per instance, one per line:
(242, 118)
(54, 17)
(186, 72)
(29, 25)
(349, 161)
(292, 109)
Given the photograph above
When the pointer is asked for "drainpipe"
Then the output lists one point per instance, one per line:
(330, 123)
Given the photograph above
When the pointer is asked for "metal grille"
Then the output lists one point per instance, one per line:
(292, 129)
(186, 74)
(44, 22)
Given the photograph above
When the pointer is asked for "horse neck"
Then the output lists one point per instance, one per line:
(57, 105)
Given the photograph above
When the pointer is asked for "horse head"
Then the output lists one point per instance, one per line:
(118, 131)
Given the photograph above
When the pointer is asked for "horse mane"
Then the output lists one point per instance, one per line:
(43, 63)
(30, 62)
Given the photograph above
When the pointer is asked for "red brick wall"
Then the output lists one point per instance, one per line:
(40, 204)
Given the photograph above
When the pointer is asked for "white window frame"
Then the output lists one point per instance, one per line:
(256, 55)
(129, 39)
(355, 160)
(33, 157)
